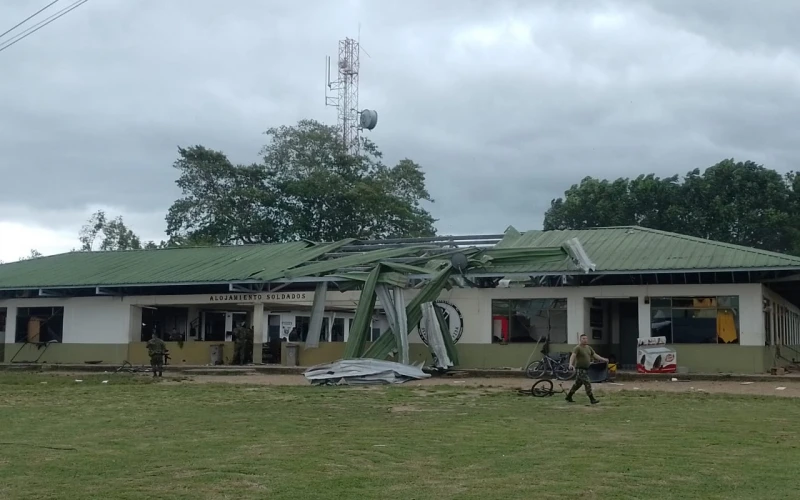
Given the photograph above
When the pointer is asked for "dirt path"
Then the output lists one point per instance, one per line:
(791, 388)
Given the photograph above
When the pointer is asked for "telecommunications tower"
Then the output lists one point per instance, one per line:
(344, 95)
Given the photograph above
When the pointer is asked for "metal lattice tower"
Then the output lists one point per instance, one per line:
(345, 99)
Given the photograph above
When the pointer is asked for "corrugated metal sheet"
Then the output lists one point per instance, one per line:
(148, 267)
(621, 249)
(640, 249)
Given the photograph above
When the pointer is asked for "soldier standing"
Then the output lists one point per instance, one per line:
(248, 348)
(239, 344)
(156, 348)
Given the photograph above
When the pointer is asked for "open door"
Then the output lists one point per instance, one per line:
(628, 334)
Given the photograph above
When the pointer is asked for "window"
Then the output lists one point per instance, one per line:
(39, 325)
(695, 320)
(781, 324)
(3, 313)
(374, 333)
(170, 323)
(303, 323)
(767, 307)
(529, 320)
(337, 330)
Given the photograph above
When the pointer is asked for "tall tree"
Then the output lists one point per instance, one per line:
(307, 187)
(222, 203)
(35, 254)
(113, 234)
(736, 202)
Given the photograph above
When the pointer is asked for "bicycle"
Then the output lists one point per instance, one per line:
(542, 388)
(127, 367)
(549, 365)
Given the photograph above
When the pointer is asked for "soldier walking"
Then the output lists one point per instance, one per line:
(581, 358)
(156, 348)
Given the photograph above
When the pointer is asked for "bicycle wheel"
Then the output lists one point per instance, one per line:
(542, 388)
(126, 367)
(564, 372)
(536, 369)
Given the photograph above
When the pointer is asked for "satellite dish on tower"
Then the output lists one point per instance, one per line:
(368, 119)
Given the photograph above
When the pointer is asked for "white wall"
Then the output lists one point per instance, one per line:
(478, 326)
(108, 319)
(87, 320)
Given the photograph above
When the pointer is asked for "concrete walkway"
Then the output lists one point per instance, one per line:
(298, 370)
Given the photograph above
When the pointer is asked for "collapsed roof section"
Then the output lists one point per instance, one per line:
(440, 269)
(250, 268)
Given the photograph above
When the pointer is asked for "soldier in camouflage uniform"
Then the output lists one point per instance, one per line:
(239, 344)
(248, 348)
(156, 348)
(581, 357)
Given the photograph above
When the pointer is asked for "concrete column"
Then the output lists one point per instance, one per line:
(258, 332)
(577, 318)
(644, 317)
(751, 317)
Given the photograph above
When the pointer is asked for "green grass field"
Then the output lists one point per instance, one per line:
(132, 439)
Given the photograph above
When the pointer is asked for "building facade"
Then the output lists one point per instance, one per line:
(720, 320)
(492, 328)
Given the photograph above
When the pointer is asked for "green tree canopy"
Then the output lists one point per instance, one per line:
(113, 234)
(735, 202)
(306, 187)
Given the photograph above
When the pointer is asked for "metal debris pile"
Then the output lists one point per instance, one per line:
(386, 282)
(363, 372)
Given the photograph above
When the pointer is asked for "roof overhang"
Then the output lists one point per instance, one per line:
(250, 286)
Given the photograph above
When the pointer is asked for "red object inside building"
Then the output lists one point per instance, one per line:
(503, 326)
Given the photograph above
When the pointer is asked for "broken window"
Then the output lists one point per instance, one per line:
(529, 320)
(695, 320)
(337, 330)
(170, 323)
(303, 323)
(39, 325)
(374, 333)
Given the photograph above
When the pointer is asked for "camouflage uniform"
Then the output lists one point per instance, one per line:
(583, 358)
(248, 345)
(239, 344)
(156, 348)
(582, 379)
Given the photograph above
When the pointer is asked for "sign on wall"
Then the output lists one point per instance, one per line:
(260, 297)
(453, 318)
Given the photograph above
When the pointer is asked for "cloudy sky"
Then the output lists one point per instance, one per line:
(504, 103)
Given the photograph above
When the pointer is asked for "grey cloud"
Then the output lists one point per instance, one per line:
(97, 103)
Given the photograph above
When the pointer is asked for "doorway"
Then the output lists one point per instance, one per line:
(214, 326)
(628, 333)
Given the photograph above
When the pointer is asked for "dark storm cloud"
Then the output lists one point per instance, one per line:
(505, 104)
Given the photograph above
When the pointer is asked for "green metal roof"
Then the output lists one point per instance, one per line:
(639, 249)
(164, 266)
(194, 265)
(617, 249)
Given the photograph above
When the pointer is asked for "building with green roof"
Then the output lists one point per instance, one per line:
(719, 307)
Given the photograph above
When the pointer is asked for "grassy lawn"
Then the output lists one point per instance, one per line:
(132, 439)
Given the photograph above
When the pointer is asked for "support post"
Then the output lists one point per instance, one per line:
(258, 333)
(317, 313)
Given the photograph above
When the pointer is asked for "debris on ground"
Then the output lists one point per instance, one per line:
(363, 371)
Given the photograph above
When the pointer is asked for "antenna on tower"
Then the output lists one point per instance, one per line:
(344, 94)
